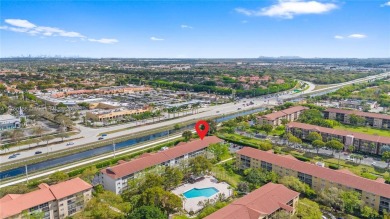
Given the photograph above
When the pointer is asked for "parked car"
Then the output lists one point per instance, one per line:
(104, 135)
(373, 163)
(38, 152)
(70, 143)
(100, 138)
(12, 156)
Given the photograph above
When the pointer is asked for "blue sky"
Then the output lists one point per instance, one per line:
(196, 29)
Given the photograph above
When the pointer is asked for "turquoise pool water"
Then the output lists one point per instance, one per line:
(206, 192)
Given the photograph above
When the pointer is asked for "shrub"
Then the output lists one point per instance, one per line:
(301, 158)
(333, 166)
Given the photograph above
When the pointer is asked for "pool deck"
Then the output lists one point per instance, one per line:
(191, 204)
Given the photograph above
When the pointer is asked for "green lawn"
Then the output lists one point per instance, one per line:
(365, 130)
(223, 173)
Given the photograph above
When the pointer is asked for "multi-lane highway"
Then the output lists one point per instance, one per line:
(88, 135)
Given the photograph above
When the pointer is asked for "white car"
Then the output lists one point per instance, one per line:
(373, 163)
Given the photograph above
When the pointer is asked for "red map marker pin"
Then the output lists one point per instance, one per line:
(202, 132)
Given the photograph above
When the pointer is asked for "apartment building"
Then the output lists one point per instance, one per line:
(375, 194)
(275, 119)
(56, 201)
(376, 120)
(362, 142)
(115, 178)
(262, 203)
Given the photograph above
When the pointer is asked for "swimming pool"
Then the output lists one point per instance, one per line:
(206, 192)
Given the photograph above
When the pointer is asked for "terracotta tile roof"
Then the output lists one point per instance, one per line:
(278, 114)
(357, 135)
(261, 202)
(14, 204)
(73, 186)
(359, 113)
(348, 180)
(150, 160)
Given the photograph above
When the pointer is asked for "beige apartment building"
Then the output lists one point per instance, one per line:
(376, 120)
(375, 194)
(275, 119)
(56, 201)
(361, 142)
(262, 203)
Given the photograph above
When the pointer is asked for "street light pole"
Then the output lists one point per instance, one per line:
(113, 144)
(26, 173)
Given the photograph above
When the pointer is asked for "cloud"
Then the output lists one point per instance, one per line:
(20, 23)
(338, 37)
(104, 40)
(289, 8)
(244, 21)
(357, 36)
(184, 26)
(25, 26)
(156, 39)
(385, 4)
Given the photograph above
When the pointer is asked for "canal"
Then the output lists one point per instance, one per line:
(107, 148)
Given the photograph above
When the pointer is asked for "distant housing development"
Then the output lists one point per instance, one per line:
(376, 120)
(361, 142)
(275, 119)
(56, 201)
(373, 193)
(262, 203)
(115, 178)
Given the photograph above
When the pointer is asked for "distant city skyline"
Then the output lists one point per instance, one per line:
(193, 29)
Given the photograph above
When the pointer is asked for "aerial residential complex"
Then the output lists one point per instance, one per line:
(373, 193)
(115, 178)
(264, 202)
(56, 201)
(275, 119)
(376, 120)
(361, 142)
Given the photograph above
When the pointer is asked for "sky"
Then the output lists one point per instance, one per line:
(196, 28)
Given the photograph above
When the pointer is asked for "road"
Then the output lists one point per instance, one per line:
(89, 135)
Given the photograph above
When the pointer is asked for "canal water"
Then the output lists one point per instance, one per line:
(107, 148)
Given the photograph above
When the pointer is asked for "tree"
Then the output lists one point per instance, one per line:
(259, 176)
(3, 108)
(172, 177)
(17, 135)
(187, 135)
(318, 144)
(368, 212)
(351, 201)
(158, 197)
(282, 214)
(212, 126)
(243, 187)
(308, 209)
(331, 197)
(291, 138)
(356, 120)
(63, 135)
(38, 130)
(334, 145)
(267, 128)
(219, 150)
(296, 185)
(151, 180)
(199, 165)
(386, 158)
(47, 138)
(284, 121)
(147, 212)
(58, 176)
(313, 136)
(89, 173)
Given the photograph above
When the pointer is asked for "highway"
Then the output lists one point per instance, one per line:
(89, 135)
